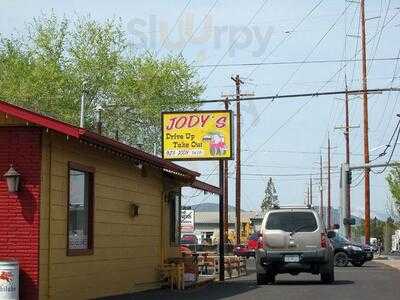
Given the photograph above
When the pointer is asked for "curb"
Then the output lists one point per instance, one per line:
(381, 258)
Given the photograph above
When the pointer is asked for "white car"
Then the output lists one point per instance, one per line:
(294, 240)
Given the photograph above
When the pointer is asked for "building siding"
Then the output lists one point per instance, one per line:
(20, 213)
(127, 251)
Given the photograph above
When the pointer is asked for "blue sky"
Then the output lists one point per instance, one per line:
(289, 134)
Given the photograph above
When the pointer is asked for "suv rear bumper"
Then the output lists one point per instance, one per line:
(308, 260)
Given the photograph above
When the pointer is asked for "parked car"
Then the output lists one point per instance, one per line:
(294, 240)
(347, 252)
(189, 239)
(243, 250)
(255, 241)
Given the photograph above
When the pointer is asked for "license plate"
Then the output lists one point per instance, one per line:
(292, 258)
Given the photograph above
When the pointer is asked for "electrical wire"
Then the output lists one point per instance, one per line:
(393, 149)
(286, 38)
(199, 25)
(234, 42)
(374, 36)
(359, 182)
(294, 29)
(174, 26)
(322, 61)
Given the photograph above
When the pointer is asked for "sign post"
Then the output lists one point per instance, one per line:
(187, 220)
(201, 135)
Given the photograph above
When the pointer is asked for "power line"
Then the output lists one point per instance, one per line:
(315, 94)
(174, 26)
(234, 42)
(374, 36)
(393, 149)
(272, 51)
(277, 175)
(199, 26)
(292, 31)
(322, 61)
(302, 152)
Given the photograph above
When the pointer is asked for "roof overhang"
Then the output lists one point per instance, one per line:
(186, 176)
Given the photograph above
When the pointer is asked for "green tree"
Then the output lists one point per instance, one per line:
(271, 197)
(393, 180)
(57, 60)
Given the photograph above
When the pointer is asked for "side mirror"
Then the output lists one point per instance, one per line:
(331, 234)
(336, 226)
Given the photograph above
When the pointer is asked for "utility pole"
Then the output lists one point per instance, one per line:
(346, 205)
(225, 191)
(347, 137)
(310, 203)
(321, 190)
(238, 82)
(365, 117)
(329, 184)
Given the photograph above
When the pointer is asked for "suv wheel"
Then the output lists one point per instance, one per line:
(261, 278)
(328, 272)
(270, 277)
(341, 259)
(357, 263)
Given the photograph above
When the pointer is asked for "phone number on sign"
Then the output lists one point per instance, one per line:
(180, 153)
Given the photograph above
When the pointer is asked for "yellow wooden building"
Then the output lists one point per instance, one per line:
(92, 217)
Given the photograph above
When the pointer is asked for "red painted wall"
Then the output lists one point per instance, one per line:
(19, 213)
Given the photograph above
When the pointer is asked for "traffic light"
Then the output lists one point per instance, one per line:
(349, 179)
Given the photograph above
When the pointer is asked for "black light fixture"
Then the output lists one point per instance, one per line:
(12, 178)
(133, 210)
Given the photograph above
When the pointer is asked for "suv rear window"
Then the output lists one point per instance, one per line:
(292, 221)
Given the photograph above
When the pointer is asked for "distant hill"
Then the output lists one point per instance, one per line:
(209, 207)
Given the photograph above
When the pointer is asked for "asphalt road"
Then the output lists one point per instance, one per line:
(372, 281)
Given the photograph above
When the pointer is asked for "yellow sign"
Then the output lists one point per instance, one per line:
(197, 135)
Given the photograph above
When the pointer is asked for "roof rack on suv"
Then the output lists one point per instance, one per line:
(292, 206)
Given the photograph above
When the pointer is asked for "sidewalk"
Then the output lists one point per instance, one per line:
(394, 263)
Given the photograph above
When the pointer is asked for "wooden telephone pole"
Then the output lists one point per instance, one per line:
(238, 82)
(365, 117)
(329, 185)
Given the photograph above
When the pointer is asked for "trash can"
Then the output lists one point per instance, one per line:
(9, 280)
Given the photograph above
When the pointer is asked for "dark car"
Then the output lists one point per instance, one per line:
(347, 252)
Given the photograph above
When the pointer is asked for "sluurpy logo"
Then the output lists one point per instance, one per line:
(155, 32)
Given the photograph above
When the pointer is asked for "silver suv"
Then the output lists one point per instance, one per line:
(294, 240)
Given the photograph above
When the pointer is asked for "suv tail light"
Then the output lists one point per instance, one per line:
(324, 241)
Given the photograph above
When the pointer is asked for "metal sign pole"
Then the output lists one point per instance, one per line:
(221, 222)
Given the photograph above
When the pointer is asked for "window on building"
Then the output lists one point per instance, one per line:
(175, 217)
(80, 209)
